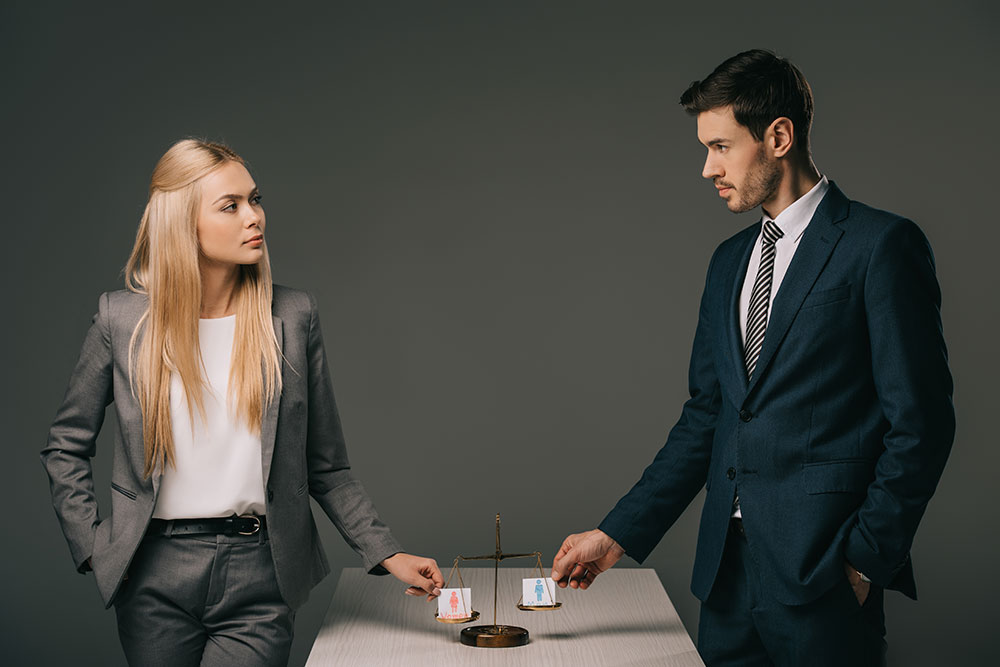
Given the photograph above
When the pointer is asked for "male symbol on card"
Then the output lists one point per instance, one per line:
(539, 590)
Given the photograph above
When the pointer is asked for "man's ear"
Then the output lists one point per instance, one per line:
(780, 136)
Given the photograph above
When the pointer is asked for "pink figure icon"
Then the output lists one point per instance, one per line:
(454, 602)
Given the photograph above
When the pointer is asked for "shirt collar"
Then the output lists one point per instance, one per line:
(794, 219)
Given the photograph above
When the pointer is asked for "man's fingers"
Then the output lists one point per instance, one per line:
(559, 563)
(564, 561)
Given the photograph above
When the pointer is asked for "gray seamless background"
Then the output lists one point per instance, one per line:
(500, 211)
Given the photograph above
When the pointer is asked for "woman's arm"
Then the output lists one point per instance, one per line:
(331, 481)
(73, 439)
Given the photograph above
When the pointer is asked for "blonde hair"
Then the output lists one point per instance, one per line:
(164, 266)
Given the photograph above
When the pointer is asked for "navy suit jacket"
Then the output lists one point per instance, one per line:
(838, 441)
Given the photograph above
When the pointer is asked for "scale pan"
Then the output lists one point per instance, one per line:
(467, 619)
(548, 607)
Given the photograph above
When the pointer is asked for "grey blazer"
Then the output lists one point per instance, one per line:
(302, 448)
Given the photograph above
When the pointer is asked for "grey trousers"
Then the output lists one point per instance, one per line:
(208, 600)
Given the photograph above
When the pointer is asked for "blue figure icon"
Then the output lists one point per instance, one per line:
(539, 589)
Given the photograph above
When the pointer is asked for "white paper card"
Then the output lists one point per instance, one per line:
(538, 592)
(455, 603)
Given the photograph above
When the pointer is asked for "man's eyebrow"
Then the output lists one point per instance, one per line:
(716, 141)
(234, 196)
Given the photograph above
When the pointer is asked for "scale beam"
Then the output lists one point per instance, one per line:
(501, 556)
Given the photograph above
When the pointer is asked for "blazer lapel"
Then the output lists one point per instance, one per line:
(733, 305)
(815, 248)
(269, 423)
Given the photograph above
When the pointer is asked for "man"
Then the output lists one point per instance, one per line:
(820, 415)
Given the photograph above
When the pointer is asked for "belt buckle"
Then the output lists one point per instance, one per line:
(256, 524)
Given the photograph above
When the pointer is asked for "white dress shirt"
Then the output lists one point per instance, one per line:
(792, 222)
(218, 461)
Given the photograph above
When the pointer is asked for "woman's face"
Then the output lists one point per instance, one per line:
(230, 219)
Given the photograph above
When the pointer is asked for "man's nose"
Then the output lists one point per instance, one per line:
(711, 169)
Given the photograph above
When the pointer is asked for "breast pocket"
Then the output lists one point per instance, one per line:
(827, 297)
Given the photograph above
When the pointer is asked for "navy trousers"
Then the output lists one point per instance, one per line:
(741, 624)
(203, 601)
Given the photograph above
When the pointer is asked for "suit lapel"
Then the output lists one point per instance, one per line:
(733, 305)
(269, 423)
(815, 248)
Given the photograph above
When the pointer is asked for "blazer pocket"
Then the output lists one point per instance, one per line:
(131, 495)
(827, 296)
(845, 476)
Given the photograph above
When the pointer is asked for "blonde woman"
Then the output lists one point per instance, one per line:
(226, 426)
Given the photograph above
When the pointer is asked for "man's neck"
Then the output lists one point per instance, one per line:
(797, 180)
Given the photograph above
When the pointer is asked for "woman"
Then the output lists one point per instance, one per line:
(226, 426)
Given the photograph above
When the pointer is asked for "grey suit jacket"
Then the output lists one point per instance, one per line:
(302, 447)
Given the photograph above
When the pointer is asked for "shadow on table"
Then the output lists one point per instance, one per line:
(614, 628)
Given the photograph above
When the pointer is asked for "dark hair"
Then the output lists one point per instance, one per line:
(760, 87)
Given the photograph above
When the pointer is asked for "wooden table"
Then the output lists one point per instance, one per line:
(625, 618)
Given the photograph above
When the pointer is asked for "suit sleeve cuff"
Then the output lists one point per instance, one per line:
(613, 530)
(865, 559)
(387, 549)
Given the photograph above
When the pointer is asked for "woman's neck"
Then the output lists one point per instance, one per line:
(218, 289)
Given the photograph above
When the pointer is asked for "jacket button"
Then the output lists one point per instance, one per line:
(745, 415)
(270, 495)
(731, 473)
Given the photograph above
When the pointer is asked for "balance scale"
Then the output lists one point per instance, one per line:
(496, 635)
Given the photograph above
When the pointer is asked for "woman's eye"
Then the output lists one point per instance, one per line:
(255, 199)
(230, 207)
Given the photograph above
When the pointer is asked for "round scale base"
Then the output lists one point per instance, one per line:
(494, 636)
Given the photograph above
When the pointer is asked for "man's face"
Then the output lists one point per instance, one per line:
(737, 163)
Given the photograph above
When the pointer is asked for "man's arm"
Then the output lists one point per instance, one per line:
(914, 387)
(667, 486)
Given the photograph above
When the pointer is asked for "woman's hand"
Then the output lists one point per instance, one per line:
(422, 574)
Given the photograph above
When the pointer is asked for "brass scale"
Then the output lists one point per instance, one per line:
(496, 636)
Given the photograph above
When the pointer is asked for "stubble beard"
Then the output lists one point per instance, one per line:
(761, 182)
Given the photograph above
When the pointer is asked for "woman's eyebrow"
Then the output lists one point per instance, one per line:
(234, 196)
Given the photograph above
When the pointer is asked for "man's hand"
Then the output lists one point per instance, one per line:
(582, 557)
(860, 586)
(422, 574)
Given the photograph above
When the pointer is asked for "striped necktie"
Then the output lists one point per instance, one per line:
(760, 298)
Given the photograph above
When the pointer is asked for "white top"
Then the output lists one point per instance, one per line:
(218, 461)
(792, 222)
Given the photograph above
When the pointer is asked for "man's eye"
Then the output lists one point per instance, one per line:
(255, 199)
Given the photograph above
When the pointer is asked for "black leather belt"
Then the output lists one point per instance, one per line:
(247, 524)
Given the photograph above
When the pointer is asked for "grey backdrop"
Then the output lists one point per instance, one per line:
(499, 208)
